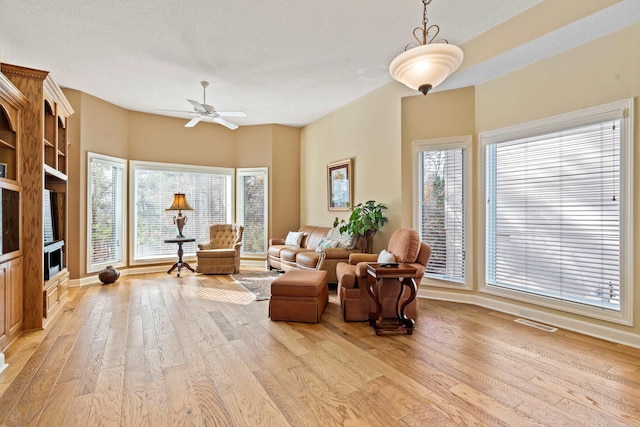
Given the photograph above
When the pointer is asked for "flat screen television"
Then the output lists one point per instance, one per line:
(53, 245)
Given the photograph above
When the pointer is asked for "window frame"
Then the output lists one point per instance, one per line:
(465, 143)
(123, 164)
(134, 165)
(620, 109)
(258, 171)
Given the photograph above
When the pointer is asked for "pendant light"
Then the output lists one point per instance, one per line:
(425, 65)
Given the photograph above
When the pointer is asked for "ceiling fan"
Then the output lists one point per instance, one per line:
(205, 111)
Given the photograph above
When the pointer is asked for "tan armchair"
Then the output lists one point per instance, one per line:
(222, 254)
(353, 279)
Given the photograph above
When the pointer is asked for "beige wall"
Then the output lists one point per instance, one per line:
(605, 70)
(367, 131)
(101, 127)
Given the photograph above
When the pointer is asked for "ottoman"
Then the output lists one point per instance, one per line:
(299, 296)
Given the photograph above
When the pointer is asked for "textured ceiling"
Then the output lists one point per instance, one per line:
(281, 61)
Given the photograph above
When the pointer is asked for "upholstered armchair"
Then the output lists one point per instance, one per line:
(222, 254)
(353, 279)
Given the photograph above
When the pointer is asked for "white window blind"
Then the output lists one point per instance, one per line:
(442, 211)
(251, 200)
(106, 202)
(553, 215)
(209, 191)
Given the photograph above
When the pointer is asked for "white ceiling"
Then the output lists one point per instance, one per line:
(281, 61)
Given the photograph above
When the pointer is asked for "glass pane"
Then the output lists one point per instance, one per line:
(443, 211)
(553, 215)
(106, 213)
(209, 194)
(10, 220)
(251, 211)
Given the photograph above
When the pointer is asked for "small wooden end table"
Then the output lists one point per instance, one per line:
(404, 274)
(180, 263)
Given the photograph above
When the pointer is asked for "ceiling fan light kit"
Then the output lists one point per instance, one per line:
(425, 65)
(205, 111)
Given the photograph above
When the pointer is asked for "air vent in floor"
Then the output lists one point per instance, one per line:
(536, 325)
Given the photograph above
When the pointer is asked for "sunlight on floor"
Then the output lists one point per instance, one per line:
(222, 295)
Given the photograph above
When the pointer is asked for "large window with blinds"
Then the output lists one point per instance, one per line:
(208, 190)
(558, 210)
(442, 203)
(251, 209)
(106, 189)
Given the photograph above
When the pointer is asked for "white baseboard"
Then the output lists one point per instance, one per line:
(3, 365)
(575, 325)
(93, 279)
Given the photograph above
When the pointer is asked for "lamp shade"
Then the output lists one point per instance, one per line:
(180, 203)
(425, 67)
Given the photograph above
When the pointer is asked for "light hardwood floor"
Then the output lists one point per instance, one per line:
(154, 350)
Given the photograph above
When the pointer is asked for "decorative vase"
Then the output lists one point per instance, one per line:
(108, 275)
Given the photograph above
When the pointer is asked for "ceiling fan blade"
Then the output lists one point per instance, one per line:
(232, 113)
(177, 111)
(209, 108)
(193, 122)
(223, 122)
(197, 105)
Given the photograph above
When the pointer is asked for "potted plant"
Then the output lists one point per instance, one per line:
(365, 220)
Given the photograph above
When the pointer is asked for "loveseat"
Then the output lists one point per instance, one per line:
(307, 256)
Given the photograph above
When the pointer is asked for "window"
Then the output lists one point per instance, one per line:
(558, 211)
(106, 212)
(208, 190)
(251, 199)
(442, 205)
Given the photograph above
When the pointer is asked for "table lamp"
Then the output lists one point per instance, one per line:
(179, 204)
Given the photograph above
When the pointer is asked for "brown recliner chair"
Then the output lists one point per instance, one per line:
(353, 279)
(222, 254)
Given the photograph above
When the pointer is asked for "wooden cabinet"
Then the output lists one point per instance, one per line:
(42, 152)
(11, 295)
(12, 104)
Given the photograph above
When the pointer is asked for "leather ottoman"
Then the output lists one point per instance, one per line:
(299, 296)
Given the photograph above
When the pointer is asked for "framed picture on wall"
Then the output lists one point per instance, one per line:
(340, 185)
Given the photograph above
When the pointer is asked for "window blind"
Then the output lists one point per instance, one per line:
(210, 194)
(553, 214)
(442, 212)
(106, 211)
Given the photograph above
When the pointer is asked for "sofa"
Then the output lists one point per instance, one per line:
(353, 279)
(307, 256)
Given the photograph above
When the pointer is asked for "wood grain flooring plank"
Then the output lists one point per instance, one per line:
(57, 406)
(212, 408)
(34, 398)
(106, 407)
(155, 350)
(134, 395)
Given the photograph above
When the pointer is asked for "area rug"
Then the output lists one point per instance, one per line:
(257, 282)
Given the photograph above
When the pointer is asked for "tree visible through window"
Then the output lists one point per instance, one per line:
(441, 205)
(252, 192)
(105, 201)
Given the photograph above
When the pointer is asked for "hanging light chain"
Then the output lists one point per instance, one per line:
(423, 34)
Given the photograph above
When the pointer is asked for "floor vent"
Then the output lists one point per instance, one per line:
(536, 325)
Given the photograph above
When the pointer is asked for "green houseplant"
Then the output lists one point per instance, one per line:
(365, 220)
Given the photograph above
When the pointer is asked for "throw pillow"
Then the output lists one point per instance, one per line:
(326, 244)
(294, 238)
(345, 240)
(386, 256)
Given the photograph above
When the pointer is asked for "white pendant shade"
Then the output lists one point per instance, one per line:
(425, 67)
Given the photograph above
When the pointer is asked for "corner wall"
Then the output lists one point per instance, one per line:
(367, 131)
